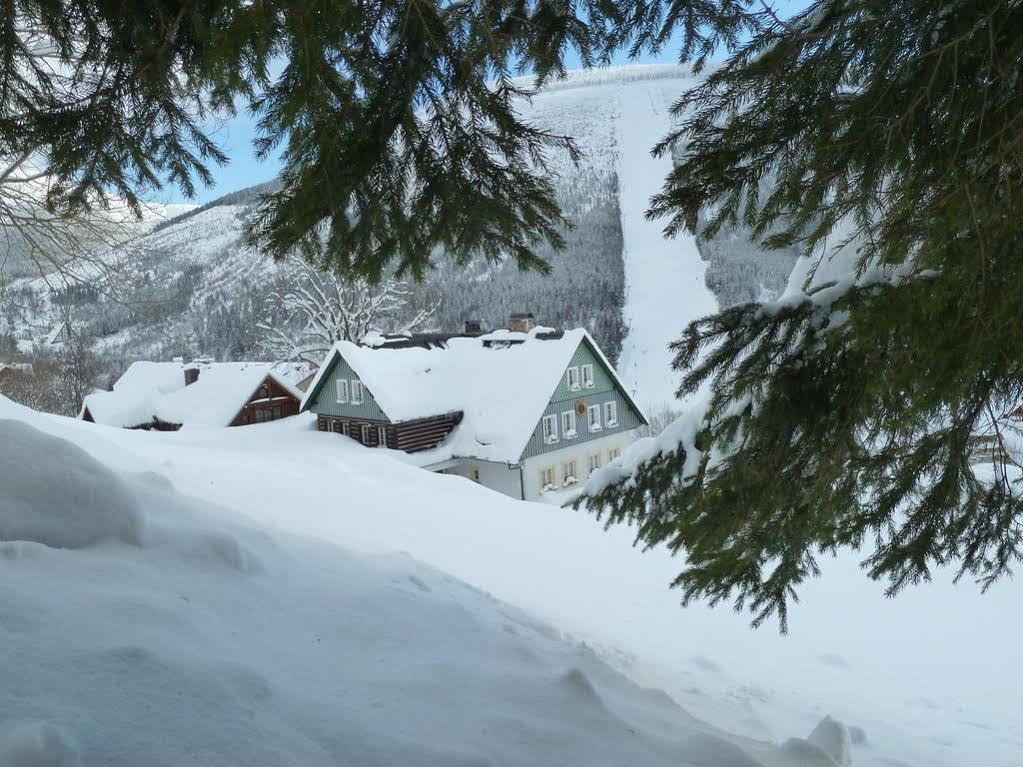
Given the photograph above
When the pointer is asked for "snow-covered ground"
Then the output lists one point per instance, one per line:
(273, 595)
(665, 285)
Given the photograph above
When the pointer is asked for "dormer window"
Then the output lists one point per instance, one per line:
(342, 390)
(357, 393)
(550, 429)
(568, 424)
(573, 378)
(587, 376)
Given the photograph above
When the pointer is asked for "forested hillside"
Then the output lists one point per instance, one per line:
(192, 287)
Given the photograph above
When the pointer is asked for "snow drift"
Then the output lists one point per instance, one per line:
(250, 613)
(207, 641)
(57, 495)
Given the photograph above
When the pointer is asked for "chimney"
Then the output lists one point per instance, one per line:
(521, 322)
(473, 328)
(191, 375)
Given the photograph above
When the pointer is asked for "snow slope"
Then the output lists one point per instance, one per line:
(665, 282)
(316, 601)
(163, 630)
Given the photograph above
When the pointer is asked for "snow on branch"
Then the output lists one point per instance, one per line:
(312, 310)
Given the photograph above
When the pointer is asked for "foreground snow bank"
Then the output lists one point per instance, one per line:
(57, 495)
(141, 626)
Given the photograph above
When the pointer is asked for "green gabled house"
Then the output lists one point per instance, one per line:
(522, 412)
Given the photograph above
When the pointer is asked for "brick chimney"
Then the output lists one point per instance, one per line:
(473, 328)
(191, 375)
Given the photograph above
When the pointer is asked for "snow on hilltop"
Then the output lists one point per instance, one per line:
(273, 595)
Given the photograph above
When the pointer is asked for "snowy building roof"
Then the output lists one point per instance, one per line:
(149, 390)
(500, 381)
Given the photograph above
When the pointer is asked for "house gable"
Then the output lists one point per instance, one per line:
(272, 398)
(606, 388)
(322, 397)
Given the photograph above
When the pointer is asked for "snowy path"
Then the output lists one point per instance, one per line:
(664, 279)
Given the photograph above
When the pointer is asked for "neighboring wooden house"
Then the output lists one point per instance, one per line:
(167, 396)
(522, 412)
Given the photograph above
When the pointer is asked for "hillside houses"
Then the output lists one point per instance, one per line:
(167, 396)
(523, 412)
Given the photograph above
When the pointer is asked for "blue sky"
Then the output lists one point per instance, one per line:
(235, 138)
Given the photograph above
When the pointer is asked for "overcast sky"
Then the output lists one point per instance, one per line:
(235, 138)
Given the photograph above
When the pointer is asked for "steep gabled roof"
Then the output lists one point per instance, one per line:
(157, 389)
(500, 381)
(220, 393)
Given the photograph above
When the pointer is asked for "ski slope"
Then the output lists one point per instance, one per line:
(665, 287)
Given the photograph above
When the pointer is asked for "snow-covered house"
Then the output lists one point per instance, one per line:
(167, 396)
(522, 412)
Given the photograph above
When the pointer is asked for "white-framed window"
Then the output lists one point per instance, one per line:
(382, 436)
(342, 390)
(610, 414)
(593, 417)
(569, 473)
(346, 428)
(593, 462)
(550, 429)
(547, 479)
(613, 452)
(365, 434)
(568, 424)
(587, 376)
(357, 393)
(474, 474)
(573, 378)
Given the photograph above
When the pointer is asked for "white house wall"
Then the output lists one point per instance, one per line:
(496, 476)
(580, 452)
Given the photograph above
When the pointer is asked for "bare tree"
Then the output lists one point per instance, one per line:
(79, 369)
(313, 310)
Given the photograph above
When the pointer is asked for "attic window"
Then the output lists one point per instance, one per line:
(342, 390)
(357, 394)
(593, 417)
(587, 376)
(573, 378)
(550, 429)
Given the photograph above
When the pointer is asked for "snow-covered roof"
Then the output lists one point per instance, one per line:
(157, 389)
(501, 382)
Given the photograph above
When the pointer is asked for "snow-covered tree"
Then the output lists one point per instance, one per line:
(314, 309)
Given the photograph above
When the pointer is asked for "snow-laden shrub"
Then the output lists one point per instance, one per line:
(52, 492)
